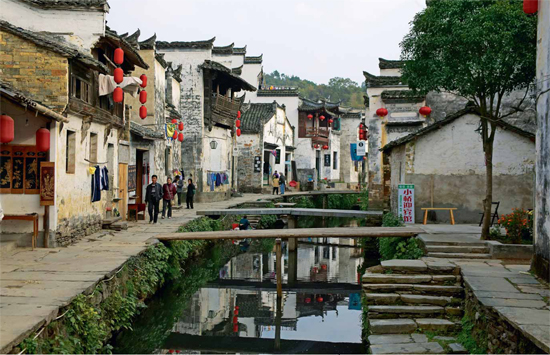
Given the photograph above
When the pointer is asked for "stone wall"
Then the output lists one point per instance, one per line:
(70, 230)
(250, 146)
(34, 70)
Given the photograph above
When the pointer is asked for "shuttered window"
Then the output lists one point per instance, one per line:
(70, 155)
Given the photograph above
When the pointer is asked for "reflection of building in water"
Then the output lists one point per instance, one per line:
(246, 266)
(320, 263)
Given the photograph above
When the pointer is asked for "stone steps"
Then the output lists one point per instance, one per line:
(457, 249)
(408, 325)
(414, 289)
(410, 348)
(414, 344)
(388, 312)
(456, 243)
(459, 255)
(408, 279)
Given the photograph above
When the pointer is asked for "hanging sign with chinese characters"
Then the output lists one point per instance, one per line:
(406, 203)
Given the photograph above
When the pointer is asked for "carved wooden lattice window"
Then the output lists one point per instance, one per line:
(19, 169)
(82, 84)
(70, 154)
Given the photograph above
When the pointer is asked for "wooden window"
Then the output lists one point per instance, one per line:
(93, 149)
(81, 81)
(335, 160)
(20, 169)
(70, 154)
(278, 156)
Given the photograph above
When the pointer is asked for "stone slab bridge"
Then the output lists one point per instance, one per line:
(296, 212)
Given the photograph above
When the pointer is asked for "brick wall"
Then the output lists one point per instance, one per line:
(250, 146)
(34, 70)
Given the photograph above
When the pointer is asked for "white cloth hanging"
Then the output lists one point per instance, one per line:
(107, 85)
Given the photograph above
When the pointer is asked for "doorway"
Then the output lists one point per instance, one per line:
(139, 175)
(318, 164)
(266, 167)
(123, 190)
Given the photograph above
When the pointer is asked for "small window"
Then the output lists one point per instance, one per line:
(93, 148)
(167, 161)
(70, 155)
(335, 161)
(278, 156)
(81, 89)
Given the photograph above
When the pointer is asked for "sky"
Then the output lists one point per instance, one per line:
(313, 39)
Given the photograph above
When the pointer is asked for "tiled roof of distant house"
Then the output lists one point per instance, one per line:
(402, 96)
(239, 50)
(307, 105)
(390, 64)
(223, 50)
(379, 81)
(148, 43)
(255, 115)
(277, 91)
(253, 60)
(207, 44)
(69, 4)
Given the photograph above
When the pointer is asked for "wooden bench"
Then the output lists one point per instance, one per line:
(450, 209)
(33, 217)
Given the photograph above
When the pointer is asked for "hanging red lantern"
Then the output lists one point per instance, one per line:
(316, 146)
(324, 266)
(143, 96)
(118, 75)
(382, 112)
(235, 320)
(180, 126)
(322, 118)
(239, 114)
(325, 147)
(236, 312)
(143, 112)
(530, 6)
(143, 78)
(238, 132)
(235, 328)
(319, 299)
(174, 121)
(180, 137)
(308, 300)
(7, 129)
(175, 136)
(425, 111)
(119, 56)
(118, 95)
(361, 133)
(310, 116)
(43, 140)
(330, 121)
(238, 123)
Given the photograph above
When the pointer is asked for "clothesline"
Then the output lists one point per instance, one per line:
(216, 171)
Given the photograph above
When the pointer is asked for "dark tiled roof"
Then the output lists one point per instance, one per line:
(241, 50)
(176, 73)
(347, 112)
(253, 60)
(377, 81)
(402, 96)
(255, 115)
(130, 50)
(55, 44)
(133, 38)
(237, 70)
(149, 43)
(68, 4)
(173, 113)
(390, 64)
(323, 106)
(447, 120)
(278, 92)
(145, 132)
(212, 65)
(223, 50)
(208, 44)
(160, 58)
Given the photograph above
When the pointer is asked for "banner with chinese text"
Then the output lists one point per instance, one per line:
(405, 207)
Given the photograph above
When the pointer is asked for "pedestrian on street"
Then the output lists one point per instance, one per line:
(190, 193)
(275, 174)
(276, 184)
(244, 224)
(152, 199)
(179, 188)
(169, 193)
(282, 183)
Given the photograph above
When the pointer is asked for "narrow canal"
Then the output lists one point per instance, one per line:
(228, 303)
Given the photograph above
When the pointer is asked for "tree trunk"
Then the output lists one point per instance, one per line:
(488, 188)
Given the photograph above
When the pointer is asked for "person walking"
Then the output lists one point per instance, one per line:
(244, 224)
(169, 192)
(190, 193)
(153, 196)
(282, 183)
(276, 184)
(179, 188)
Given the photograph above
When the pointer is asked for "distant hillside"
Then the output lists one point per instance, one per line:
(338, 89)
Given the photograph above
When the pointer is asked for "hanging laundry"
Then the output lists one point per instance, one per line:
(96, 185)
(105, 179)
(218, 180)
(208, 179)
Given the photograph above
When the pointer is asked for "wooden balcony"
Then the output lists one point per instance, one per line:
(319, 132)
(224, 110)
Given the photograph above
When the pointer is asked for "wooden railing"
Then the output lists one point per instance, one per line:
(312, 132)
(224, 106)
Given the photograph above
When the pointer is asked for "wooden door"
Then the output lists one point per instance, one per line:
(123, 190)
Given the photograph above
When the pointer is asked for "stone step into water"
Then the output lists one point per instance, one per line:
(387, 312)
(410, 348)
(435, 325)
(404, 266)
(459, 255)
(457, 249)
(392, 326)
(414, 289)
(370, 278)
(456, 243)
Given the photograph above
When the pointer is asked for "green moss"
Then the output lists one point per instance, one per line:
(472, 338)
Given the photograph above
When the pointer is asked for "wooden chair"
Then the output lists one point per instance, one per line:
(495, 214)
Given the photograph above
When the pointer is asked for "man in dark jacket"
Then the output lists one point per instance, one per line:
(152, 199)
(168, 194)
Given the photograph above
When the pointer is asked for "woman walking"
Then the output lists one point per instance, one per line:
(190, 193)
(276, 184)
(282, 183)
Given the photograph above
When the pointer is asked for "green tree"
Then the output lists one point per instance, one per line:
(480, 50)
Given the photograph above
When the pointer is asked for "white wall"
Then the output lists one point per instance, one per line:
(84, 26)
(219, 159)
(250, 74)
(224, 59)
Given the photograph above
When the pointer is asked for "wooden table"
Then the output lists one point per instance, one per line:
(450, 209)
(26, 217)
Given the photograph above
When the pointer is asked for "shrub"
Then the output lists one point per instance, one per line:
(399, 248)
(391, 220)
(517, 224)
(203, 224)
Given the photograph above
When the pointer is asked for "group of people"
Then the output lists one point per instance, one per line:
(167, 193)
(279, 181)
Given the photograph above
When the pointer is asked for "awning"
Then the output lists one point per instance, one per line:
(238, 82)
(270, 146)
(290, 148)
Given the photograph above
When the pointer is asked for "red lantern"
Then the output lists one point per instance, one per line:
(325, 147)
(330, 121)
(180, 137)
(43, 140)
(143, 78)
(238, 114)
(238, 123)
(143, 112)
(118, 75)
(237, 308)
(118, 94)
(310, 116)
(119, 56)
(324, 266)
(180, 126)
(308, 300)
(238, 132)
(235, 320)
(319, 299)
(7, 130)
(322, 118)
(175, 136)
(235, 328)
(530, 6)
(174, 121)
(425, 111)
(382, 112)
(316, 146)
(143, 96)
(361, 133)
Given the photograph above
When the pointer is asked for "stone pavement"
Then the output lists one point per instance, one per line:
(34, 285)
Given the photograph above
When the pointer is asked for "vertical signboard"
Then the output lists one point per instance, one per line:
(361, 149)
(406, 203)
